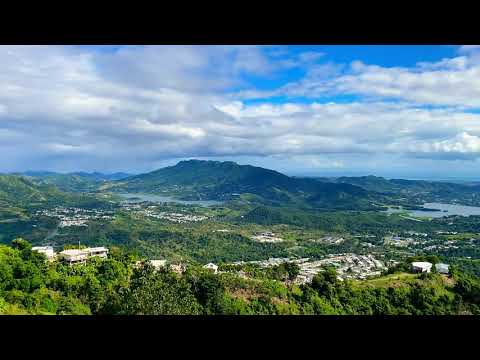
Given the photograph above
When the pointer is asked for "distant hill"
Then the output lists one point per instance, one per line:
(76, 181)
(215, 180)
(21, 191)
(415, 190)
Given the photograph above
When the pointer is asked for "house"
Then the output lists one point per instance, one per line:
(158, 264)
(211, 266)
(421, 267)
(177, 268)
(442, 268)
(267, 233)
(97, 251)
(45, 250)
(80, 256)
(73, 256)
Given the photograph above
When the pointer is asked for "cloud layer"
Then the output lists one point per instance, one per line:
(137, 108)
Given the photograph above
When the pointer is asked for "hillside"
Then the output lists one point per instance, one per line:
(116, 286)
(417, 191)
(22, 192)
(77, 181)
(215, 180)
(19, 190)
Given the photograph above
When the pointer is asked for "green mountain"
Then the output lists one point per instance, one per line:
(22, 192)
(215, 180)
(19, 190)
(416, 191)
(77, 182)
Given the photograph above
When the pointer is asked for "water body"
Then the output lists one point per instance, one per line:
(445, 210)
(135, 198)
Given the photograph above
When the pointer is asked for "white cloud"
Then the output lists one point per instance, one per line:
(448, 82)
(67, 107)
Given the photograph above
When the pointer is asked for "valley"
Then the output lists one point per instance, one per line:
(250, 222)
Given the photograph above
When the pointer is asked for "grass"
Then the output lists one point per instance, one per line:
(391, 280)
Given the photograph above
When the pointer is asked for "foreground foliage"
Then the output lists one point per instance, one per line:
(30, 285)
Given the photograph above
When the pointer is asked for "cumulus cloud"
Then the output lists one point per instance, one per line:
(133, 108)
(448, 82)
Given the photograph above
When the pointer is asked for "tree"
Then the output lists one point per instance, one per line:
(292, 270)
(158, 293)
(21, 244)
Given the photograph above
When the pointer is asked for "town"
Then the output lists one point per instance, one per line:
(152, 212)
(348, 266)
(72, 216)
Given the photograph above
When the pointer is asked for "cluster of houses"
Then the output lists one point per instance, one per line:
(72, 256)
(151, 211)
(75, 216)
(267, 237)
(347, 266)
(330, 240)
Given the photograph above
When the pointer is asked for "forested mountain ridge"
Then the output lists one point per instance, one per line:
(215, 180)
(76, 181)
(416, 190)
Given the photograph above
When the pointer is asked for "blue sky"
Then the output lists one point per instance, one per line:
(394, 111)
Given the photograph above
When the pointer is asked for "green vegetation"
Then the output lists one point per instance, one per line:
(311, 217)
(30, 285)
(214, 180)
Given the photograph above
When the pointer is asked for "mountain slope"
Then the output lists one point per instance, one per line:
(77, 181)
(18, 191)
(214, 180)
(417, 191)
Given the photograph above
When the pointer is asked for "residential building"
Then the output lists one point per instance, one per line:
(80, 256)
(421, 267)
(442, 268)
(158, 264)
(45, 250)
(73, 256)
(211, 266)
(97, 251)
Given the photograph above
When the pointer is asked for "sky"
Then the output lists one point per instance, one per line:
(392, 111)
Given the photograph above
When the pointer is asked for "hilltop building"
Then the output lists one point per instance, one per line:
(421, 267)
(158, 264)
(80, 256)
(442, 268)
(45, 250)
(211, 266)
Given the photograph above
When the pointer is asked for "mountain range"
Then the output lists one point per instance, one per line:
(215, 180)
(229, 181)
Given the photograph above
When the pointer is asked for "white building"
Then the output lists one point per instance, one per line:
(80, 256)
(442, 268)
(73, 256)
(157, 264)
(97, 251)
(211, 266)
(45, 250)
(421, 267)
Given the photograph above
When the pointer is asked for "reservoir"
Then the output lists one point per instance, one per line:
(134, 198)
(445, 210)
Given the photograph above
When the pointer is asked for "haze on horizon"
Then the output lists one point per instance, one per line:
(392, 111)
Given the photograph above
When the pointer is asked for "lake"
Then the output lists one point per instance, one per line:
(165, 199)
(445, 210)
